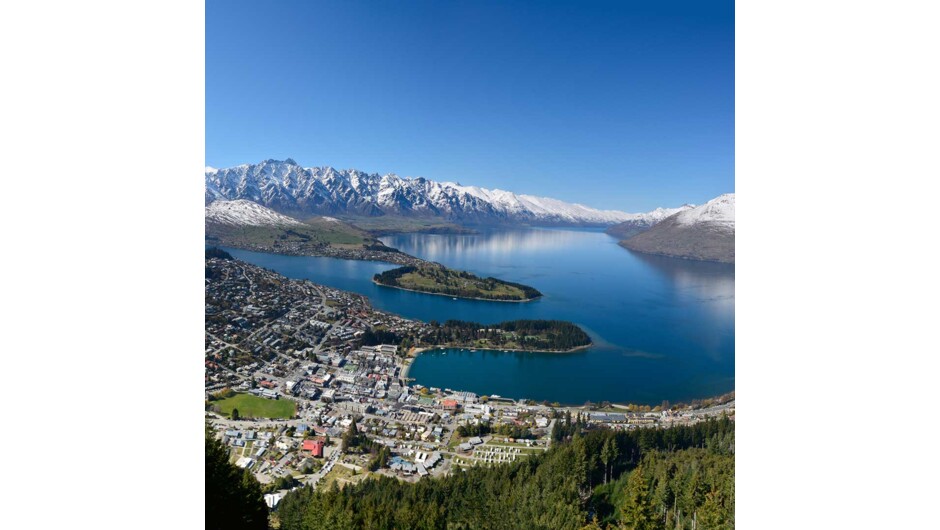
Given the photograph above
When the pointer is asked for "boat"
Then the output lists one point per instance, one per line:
(454, 298)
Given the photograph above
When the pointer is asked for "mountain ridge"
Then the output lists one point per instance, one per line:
(289, 189)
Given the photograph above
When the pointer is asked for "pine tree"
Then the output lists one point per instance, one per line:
(637, 512)
(711, 515)
(609, 454)
(233, 496)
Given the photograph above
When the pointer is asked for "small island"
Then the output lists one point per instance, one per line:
(513, 335)
(433, 278)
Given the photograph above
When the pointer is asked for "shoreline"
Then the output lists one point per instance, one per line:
(414, 352)
(688, 404)
(456, 296)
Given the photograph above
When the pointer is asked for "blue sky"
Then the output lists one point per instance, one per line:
(618, 105)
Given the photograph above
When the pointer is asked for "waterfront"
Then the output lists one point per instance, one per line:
(663, 328)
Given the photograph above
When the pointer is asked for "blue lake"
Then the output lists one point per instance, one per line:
(663, 328)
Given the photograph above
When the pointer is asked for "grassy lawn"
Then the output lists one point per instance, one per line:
(250, 406)
(341, 475)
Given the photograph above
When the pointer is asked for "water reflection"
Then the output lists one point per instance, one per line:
(487, 243)
(699, 281)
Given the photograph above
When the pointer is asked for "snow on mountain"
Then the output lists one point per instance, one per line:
(644, 221)
(705, 232)
(718, 212)
(286, 187)
(245, 213)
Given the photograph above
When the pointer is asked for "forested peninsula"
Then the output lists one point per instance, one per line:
(518, 335)
(525, 335)
(433, 278)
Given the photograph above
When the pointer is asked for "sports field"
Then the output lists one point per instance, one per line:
(250, 406)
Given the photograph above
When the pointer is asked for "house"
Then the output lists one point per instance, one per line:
(449, 404)
(315, 446)
(271, 499)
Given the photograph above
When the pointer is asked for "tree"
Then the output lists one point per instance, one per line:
(609, 454)
(235, 415)
(233, 496)
(712, 514)
(351, 436)
(637, 512)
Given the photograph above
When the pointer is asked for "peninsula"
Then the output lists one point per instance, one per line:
(433, 278)
(555, 336)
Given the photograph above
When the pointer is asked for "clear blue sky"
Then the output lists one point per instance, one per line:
(619, 105)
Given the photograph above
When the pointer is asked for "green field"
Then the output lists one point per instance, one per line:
(250, 406)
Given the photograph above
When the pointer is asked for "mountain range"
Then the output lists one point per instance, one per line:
(287, 188)
(705, 233)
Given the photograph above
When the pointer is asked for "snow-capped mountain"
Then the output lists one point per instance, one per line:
(245, 213)
(705, 232)
(288, 188)
(642, 222)
(717, 213)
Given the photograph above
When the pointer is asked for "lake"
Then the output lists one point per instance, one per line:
(663, 328)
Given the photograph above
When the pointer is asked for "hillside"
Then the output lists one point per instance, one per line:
(702, 233)
(642, 222)
(247, 225)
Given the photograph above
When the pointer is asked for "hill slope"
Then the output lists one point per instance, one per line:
(642, 222)
(704, 233)
(245, 224)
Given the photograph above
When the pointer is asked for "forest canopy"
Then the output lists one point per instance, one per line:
(437, 279)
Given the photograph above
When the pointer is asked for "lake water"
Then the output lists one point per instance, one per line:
(663, 328)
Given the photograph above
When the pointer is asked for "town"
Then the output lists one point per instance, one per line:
(304, 388)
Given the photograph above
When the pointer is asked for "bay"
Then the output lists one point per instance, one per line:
(663, 328)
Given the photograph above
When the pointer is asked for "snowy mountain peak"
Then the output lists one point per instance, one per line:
(245, 213)
(718, 212)
(288, 188)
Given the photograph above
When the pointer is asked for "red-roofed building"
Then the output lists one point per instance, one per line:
(315, 446)
(449, 404)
